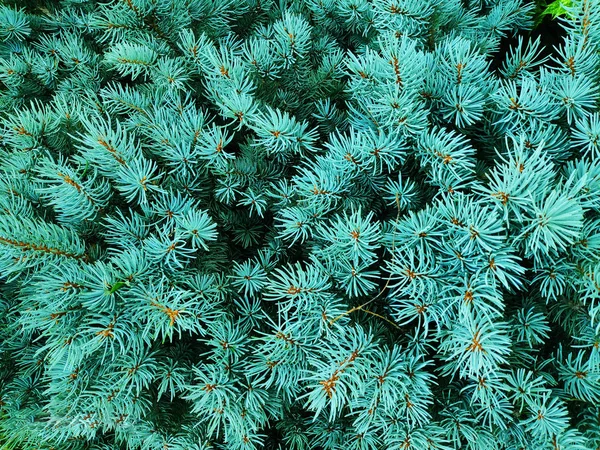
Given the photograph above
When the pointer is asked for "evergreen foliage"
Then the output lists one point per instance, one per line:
(298, 224)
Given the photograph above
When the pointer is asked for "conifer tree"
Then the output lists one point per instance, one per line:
(299, 224)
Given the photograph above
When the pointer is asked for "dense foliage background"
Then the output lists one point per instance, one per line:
(300, 224)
